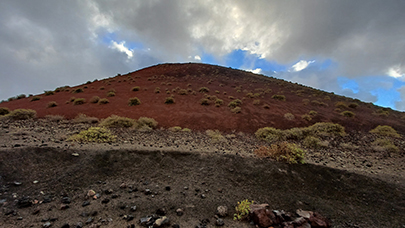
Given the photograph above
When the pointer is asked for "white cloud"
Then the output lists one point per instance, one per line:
(256, 71)
(120, 47)
(197, 57)
(395, 72)
(302, 64)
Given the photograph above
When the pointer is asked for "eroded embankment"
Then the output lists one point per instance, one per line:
(195, 182)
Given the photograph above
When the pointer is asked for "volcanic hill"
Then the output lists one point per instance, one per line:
(202, 96)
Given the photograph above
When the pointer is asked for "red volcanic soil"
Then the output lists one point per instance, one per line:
(259, 110)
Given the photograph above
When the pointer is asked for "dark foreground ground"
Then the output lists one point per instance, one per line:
(195, 182)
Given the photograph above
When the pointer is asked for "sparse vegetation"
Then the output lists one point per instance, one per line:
(157, 90)
(62, 89)
(4, 111)
(381, 112)
(256, 102)
(204, 90)
(48, 93)
(83, 118)
(306, 117)
(341, 105)
(175, 129)
(101, 88)
(52, 104)
(115, 121)
(236, 110)
(146, 123)
(95, 99)
(78, 90)
(353, 105)
(278, 97)
(314, 142)
(266, 106)
(183, 92)
(22, 114)
(289, 116)
(384, 145)
(79, 101)
(134, 101)
(111, 93)
(94, 134)
(312, 113)
(385, 130)
(235, 103)
(103, 101)
(218, 102)
(349, 114)
(215, 135)
(283, 151)
(169, 100)
(205, 101)
(36, 98)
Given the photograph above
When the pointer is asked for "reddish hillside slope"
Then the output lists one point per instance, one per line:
(259, 107)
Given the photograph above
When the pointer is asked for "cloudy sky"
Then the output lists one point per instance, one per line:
(352, 48)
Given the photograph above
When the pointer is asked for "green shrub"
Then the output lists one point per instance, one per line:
(95, 99)
(289, 116)
(147, 122)
(4, 111)
(186, 130)
(205, 101)
(326, 129)
(52, 104)
(94, 134)
(385, 130)
(134, 101)
(48, 93)
(101, 88)
(22, 114)
(311, 142)
(79, 101)
(62, 88)
(312, 113)
(175, 129)
(384, 145)
(319, 103)
(242, 210)
(215, 135)
(169, 100)
(348, 114)
(103, 101)
(36, 98)
(114, 121)
(256, 102)
(278, 97)
(270, 134)
(341, 105)
(83, 118)
(78, 90)
(218, 102)
(283, 151)
(111, 94)
(306, 117)
(381, 112)
(236, 110)
(204, 90)
(157, 90)
(183, 92)
(235, 103)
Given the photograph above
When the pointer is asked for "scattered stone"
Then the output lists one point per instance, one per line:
(75, 154)
(91, 193)
(9, 212)
(148, 191)
(47, 224)
(66, 225)
(114, 196)
(203, 196)
(35, 182)
(16, 183)
(24, 202)
(128, 217)
(105, 201)
(161, 221)
(64, 206)
(179, 212)
(261, 215)
(167, 188)
(85, 203)
(133, 208)
(161, 211)
(219, 222)
(66, 200)
(316, 220)
(222, 211)
(20, 218)
(89, 220)
(79, 225)
(108, 191)
(123, 185)
(175, 226)
(302, 213)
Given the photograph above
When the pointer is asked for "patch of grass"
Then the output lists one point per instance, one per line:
(111, 94)
(242, 210)
(256, 102)
(54, 118)
(204, 90)
(385, 130)
(348, 114)
(283, 151)
(312, 113)
(341, 105)
(36, 98)
(79, 101)
(78, 90)
(236, 110)
(115, 121)
(215, 136)
(48, 93)
(95, 99)
(4, 111)
(306, 117)
(134, 101)
(94, 134)
(52, 104)
(289, 116)
(175, 129)
(157, 90)
(235, 103)
(182, 92)
(83, 118)
(22, 114)
(353, 105)
(146, 123)
(218, 102)
(278, 97)
(103, 101)
(169, 100)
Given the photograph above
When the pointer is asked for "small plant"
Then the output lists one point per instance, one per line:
(270, 134)
(186, 130)
(235, 103)
(242, 210)
(157, 90)
(306, 117)
(341, 105)
(134, 101)
(256, 102)
(101, 88)
(111, 94)
(103, 101)
(169, 100)
(48, 93)
(79, 101)
(311, 142)
(312, 113)
(278, 97)
(289, 116)
(348, 114)
(146, 122)
(78, 90)
(36, 98)
(4, 111)
(205, 101)
(52, 104)
(384, 145)
(83, 118)
(353, 105)
(204, 90)
(183, 92)
(22, 114)
(381, 112)
(266, 106)
(94, 134)
(54, 118)
(385, 130)
(284, 151)
(215, 135)
(175, 129)
(95, 99)
(61, 89)
(218, 102)
(114, 121)
(236, 110)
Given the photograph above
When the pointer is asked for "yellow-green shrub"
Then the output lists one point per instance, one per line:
(4, 111)
(283, 151)
(79, 101)
(242, 210)
(94, 134)
(235, 103)
(134, 101)
(385, 130)
(22, 114)
(114, 121)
